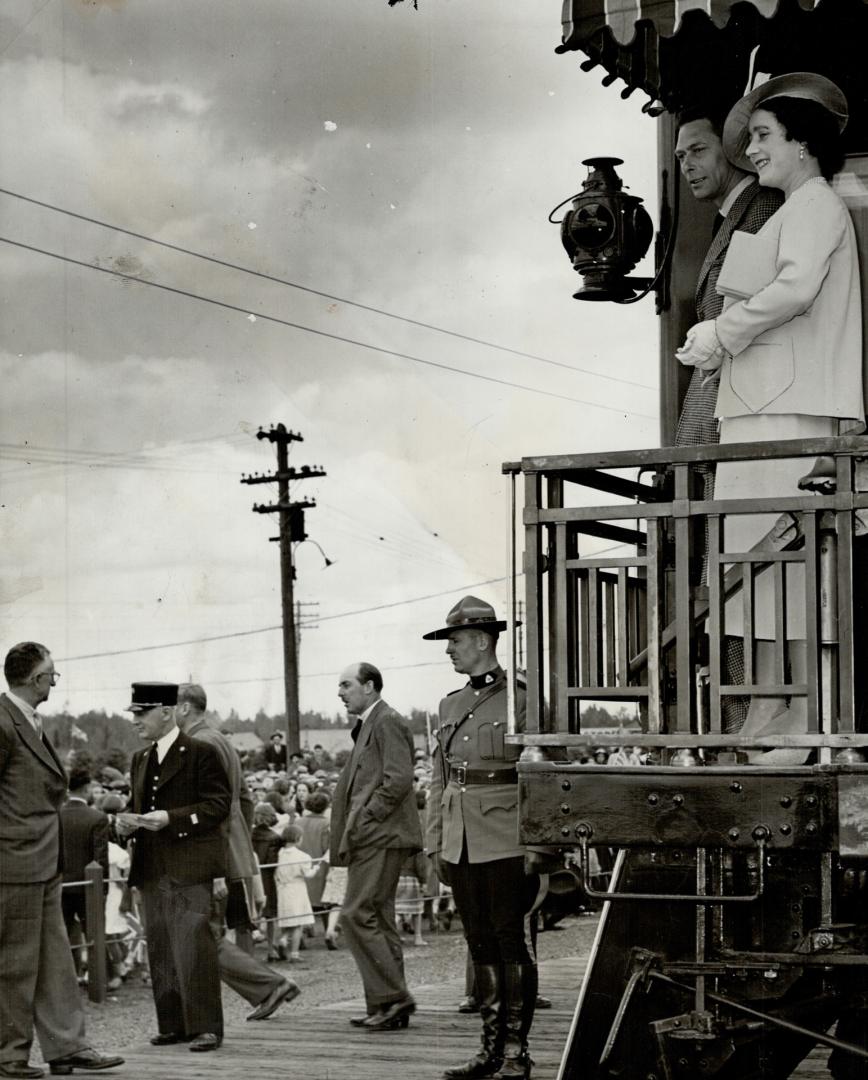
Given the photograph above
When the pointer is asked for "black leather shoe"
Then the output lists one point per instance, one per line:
(19, 1068)
(84, 1059)
(287, 990)
(543, 1002)
(394, 1015)
(206, 1041)
(169, 1038)
(361, 1021)
(468, 1004)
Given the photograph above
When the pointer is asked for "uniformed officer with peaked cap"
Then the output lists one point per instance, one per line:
(472, 835)
(180, 796)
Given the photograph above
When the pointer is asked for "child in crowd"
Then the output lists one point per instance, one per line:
(410, 896)
(293, 903)
(267, 844)
(333, 898)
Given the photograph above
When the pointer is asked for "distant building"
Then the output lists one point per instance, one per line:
(245, 741)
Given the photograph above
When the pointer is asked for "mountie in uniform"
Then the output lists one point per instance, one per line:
(472, 835)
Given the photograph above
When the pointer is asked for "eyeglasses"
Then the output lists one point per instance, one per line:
(53, 675)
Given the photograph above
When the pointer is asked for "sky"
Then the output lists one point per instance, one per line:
(393, 159)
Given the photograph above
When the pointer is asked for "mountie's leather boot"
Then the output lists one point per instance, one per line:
(490, 1056)
(519, 990)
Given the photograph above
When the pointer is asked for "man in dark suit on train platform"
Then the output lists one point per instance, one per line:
(374, 828)
(744, 206)
(180, 798)
(38, 987)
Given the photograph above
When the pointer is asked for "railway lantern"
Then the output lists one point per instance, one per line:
(606, 233)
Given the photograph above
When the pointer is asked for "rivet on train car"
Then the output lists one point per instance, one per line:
(565, 785)
(565, 808)
(677, 800)
(653, 799)
(811, 800)
(735, 786)
(734, 834)
(786, 829)
(786, 801)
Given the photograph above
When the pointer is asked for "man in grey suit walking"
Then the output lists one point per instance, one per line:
(375, 827)
(233, 899)
(38, 986)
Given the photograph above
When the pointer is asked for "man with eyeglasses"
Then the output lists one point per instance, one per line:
(38, 986)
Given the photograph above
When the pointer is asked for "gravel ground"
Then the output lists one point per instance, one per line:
(127, 1017)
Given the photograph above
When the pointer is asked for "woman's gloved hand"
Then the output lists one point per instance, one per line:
(701, 348)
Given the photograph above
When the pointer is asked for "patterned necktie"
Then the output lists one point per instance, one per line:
(37, 725)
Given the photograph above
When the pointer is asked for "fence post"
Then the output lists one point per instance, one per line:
(95, 918)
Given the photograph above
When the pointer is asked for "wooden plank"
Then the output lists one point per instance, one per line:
(320, 1044)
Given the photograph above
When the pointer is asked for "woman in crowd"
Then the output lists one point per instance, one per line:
(299, 800)
(314, 827)
(789, 351)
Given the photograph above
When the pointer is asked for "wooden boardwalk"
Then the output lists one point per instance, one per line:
(318, 1043)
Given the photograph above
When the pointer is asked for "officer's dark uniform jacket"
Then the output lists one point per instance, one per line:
(473, 799)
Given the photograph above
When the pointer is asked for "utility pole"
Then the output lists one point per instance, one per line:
(291, 530)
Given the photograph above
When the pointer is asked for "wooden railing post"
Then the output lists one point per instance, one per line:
(94, 901)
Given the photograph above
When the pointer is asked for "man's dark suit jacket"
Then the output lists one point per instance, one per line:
(374, 802)
(32, 790)
(195, 791)
(85, 840)
(750, 211)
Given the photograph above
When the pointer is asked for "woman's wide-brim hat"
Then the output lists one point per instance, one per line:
(471, 613)
(797, 84)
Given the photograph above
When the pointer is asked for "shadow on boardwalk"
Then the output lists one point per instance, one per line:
(319, 1043)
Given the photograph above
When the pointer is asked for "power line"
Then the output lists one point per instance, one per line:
(317, 292)
(38, 458)
(321, 333)
(261, 679)
(278, 626)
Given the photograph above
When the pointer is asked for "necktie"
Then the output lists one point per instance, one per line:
(37, 725)
(354, 734)
(715, 225)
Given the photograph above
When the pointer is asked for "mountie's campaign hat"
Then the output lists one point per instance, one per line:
(471, 613)
(148, 695)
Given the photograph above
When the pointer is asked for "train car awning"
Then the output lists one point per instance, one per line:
(685, 52)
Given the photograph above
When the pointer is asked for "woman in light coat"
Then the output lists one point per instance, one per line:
(790, 350)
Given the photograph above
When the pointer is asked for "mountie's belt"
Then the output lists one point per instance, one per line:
(459, 775)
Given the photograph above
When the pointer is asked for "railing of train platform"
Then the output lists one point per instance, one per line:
(644, 621)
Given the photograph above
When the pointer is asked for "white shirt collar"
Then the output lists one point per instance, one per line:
(364, 716)
(164, 743)
(729, 201)
(24, 706)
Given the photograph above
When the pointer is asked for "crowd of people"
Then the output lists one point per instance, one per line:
(302, 895)
(200, 857)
